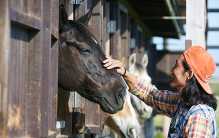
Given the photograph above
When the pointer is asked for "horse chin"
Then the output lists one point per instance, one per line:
(109, 108)
(113, 106)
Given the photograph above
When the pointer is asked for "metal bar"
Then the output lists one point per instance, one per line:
(213, 28)
(165, 18)
(213, 10)
(213, 47)
(172, 13)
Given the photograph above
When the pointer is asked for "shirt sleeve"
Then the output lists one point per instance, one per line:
(198, 127)
(164, 102)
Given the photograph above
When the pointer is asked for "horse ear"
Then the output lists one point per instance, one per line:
(63, 16)
(132, 59)
(144, 60)
(85, 19)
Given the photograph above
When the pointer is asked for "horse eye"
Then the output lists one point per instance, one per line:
(84, 50)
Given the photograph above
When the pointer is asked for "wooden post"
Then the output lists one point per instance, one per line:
(195, 22)
(4, 60)
(105, 19)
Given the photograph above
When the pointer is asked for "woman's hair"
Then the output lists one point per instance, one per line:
(194, 94)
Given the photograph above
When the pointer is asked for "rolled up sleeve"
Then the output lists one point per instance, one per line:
(165, 102)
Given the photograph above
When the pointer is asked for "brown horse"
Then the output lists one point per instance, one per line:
(80, 66)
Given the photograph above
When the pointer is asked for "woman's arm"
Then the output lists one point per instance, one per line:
(163, 101)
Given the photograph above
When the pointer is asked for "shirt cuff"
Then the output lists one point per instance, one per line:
(142, 89)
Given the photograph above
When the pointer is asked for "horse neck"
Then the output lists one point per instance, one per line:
(123, 117)
(127, 110)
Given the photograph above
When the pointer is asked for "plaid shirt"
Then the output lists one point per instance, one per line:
(195, 122)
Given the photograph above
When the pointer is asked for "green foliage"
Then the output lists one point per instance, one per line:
(217, 114)
(159, 135)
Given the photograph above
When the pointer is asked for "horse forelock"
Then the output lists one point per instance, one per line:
(84, 31)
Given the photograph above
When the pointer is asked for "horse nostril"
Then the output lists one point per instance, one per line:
(120, 94)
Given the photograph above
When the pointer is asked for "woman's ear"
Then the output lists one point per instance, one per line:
(189, 74)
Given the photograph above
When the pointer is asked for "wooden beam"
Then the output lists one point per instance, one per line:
(137, 18)
(172, 13)
(4, 65)
(22, 18)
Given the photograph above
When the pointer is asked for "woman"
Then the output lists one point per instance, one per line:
(192, 107)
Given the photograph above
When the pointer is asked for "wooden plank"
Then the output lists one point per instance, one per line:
(63, 113)
(34, 89)
(30, 85)
(30, 22)
(114, 38)
(34, 8)
(92, 119)
(24, 81)
(53, 90)
(55, 18)
(105, 19)
(31, 7)
(19, 39)
(45, 81)
(124, 37)
(4, 59)
(53, 69)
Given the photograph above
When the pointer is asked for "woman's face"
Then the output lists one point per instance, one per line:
(178, 74)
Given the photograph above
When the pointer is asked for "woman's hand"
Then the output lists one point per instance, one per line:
(110, 63)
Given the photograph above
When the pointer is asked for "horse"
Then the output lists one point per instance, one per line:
(80, 65)
(139, 68)
(129, 122)
(81, 70)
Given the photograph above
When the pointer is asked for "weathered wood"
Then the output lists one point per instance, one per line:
(24, 19)
(29, 63)
(53, 90)
(124, 36)
(46, 46)
(106, 19)
(114, 37)
(4, 59)
(93, 120)
(54, 16)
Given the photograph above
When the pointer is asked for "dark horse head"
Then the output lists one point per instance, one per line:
(80, 66)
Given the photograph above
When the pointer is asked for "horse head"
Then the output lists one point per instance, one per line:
(81, 69)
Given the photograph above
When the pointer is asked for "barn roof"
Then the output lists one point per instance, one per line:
(163, 18)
